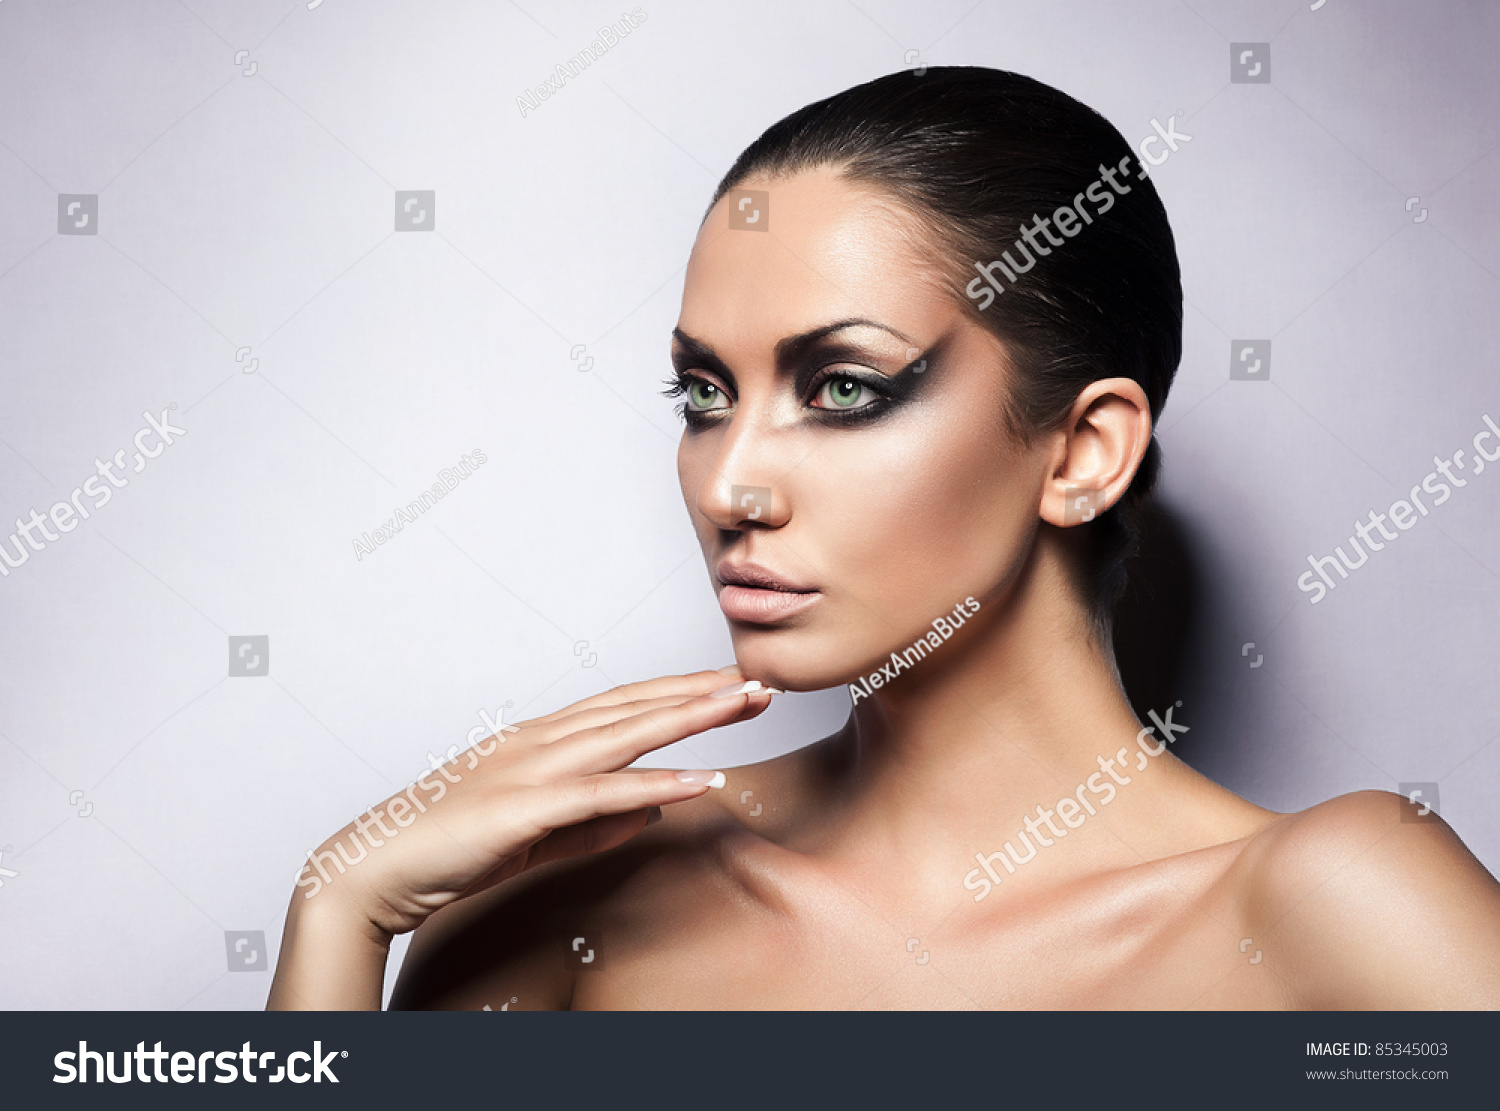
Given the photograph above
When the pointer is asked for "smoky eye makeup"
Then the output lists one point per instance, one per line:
(703, 398)
(841, 393)
(837, 384)
(844, 391)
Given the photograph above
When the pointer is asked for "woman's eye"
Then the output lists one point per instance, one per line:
(844, 393)
(704, 396)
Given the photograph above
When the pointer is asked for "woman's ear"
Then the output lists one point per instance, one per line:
(1096, 452)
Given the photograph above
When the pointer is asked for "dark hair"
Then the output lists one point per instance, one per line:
(974, 154)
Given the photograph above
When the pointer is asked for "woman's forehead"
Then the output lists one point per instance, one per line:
(822, 248)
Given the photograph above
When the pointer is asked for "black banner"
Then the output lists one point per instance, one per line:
(763, 1060)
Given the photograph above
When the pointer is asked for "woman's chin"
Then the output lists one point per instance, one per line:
(783, 671)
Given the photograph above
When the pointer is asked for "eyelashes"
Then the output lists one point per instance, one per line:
(832, 395)
(678, 386)
(831, 388)
(696, 390)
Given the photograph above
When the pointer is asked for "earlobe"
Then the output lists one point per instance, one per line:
(1081, 505)
(1067, 504)
(1097, 452)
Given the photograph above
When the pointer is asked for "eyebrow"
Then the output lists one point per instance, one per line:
(787, 349)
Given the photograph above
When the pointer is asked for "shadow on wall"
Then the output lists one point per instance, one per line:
(1160, 620)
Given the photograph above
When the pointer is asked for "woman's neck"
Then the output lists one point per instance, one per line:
(1016, 710)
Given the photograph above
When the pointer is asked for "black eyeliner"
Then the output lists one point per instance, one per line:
(678, 386)
(889, 390)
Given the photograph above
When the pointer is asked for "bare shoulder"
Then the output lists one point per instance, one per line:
(498, 950)
(524, 942)
(1365, 902)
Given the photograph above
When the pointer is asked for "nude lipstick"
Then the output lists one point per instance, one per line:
(757, 595)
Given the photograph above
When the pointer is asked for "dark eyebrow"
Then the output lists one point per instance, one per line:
(700, 353)
(788, 350)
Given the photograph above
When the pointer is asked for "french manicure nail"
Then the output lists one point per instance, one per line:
(773, 690)
(749, 687)
(702, 778)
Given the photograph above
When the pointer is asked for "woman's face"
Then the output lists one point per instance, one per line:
(846, 461)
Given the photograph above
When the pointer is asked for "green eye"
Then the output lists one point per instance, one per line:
(703, 396)
(844, 393)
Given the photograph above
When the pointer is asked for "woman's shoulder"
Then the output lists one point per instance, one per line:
(1370, 900)
(525, 941)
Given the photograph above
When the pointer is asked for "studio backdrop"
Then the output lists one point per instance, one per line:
(332, 337)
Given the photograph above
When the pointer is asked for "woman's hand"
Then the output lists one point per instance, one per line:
(550, 788)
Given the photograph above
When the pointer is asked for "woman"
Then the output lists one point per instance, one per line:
(926, 329)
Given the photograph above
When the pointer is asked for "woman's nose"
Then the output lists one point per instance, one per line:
(740, 490)
(732, 504)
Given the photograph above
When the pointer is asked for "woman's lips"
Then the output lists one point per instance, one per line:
(762, 606)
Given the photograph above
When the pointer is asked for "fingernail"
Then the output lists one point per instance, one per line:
(773, 690)
(749, 687)
(653, 815)
(702, 778)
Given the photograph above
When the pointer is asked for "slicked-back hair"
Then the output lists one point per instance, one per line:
(974, 155)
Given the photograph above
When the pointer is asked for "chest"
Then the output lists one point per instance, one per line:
(848, 953)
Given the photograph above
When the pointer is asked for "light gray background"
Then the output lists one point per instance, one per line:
(258, 211)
